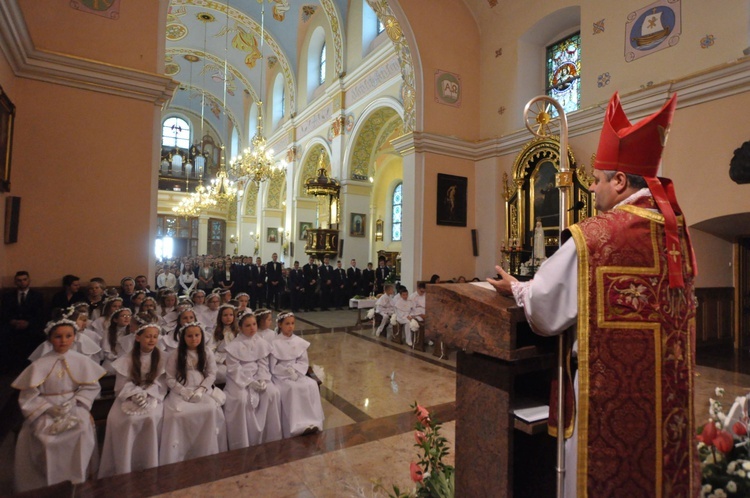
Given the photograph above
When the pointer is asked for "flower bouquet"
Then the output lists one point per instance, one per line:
(724, 450)
(434, 479)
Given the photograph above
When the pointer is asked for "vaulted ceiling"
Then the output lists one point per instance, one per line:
(207, 40)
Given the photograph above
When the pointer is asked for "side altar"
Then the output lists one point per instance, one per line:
(502, 366)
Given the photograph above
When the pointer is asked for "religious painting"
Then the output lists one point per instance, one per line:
(7, 116)
(272, 234)
(451, 200)
(652, 28)
(357, 225)
(545, 196)
(304, 226)
(447, 88)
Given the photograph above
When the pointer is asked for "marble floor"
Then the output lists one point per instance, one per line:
(368, 387)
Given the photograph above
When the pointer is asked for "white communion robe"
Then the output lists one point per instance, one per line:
(253, 416)
(301, 408)
(133, 432)
(268, 334)
(43, 458)
(191, 430)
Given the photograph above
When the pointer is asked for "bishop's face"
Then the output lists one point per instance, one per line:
(604, 189)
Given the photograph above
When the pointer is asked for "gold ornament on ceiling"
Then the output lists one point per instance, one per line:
(176, 31)
(205, 17)
(171, 69)
(191, 58)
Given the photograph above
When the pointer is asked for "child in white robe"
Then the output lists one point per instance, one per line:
(171, 340)
(403, 307)
(301, 409)
(194, 423)
(83, 343)
(384, 307)
(134, 421)
(209, 315)
(253, 407)
(265, 324)
(57, 441)
(101, 324)
(112, 345)
(225, 331)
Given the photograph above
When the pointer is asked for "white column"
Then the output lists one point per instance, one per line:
(413, 210)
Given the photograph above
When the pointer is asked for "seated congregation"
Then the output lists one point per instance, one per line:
(192, 378)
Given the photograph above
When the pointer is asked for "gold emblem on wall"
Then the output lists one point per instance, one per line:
(104, 8)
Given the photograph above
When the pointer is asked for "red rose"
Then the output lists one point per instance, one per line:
(709, 432)
(419, 437)
(422, 414)
(416, 472)
(739, 428)
(724, 442)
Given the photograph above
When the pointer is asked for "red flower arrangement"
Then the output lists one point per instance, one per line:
(434, 479)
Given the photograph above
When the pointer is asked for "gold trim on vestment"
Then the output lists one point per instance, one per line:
(582, 410)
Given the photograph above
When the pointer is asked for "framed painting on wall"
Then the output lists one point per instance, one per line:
(304, 226)
(451, 200)
(272, 234)
(357, 225)
(7, 115)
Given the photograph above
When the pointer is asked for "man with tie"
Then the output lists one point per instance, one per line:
(368, 280)
(21, 322)
(297, 287)
(258, 283)
(340, 286)
(310, 272)
(326, 284)
(275, 284)
(381, 275)
(354, 279)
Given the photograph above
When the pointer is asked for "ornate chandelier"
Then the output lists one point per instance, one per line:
(222, 189)
(197, 202)
(256, 162)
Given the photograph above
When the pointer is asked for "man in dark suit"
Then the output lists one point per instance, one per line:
(368, 280)
(297, 287)
(275, 284)
(310, 272)
(326, 284)
(354, 279)
(340, 286)
(258, 282)
(381, 275)
(141, 283)
(21, 323)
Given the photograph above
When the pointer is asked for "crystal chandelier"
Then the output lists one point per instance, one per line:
(222, 189)
(256, 162)
(197, 202)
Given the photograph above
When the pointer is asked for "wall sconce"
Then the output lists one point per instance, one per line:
(284, 241)
(255, 237)
(379, 229)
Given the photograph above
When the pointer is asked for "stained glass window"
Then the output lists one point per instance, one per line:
(322, 75)
(564, 72)
(397, 204)
(175, 133)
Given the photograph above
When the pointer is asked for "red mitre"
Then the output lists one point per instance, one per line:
(637, 149)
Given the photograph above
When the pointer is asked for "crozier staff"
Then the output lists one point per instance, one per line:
(626, 281)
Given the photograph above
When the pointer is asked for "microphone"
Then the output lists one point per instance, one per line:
(577, 206)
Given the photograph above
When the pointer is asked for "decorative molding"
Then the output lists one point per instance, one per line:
(26, 61)
(713, 84)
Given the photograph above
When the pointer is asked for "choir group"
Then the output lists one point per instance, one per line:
(168, 357)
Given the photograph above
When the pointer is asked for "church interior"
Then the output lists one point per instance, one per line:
(390, 128)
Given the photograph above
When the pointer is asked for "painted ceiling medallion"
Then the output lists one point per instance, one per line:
(192, 58)
(176, 31)
(205, 17)
(307, 12)
(171, 69)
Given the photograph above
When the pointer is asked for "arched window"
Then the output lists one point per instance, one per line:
(278, 100)
(175, 133)
(564, 72)
(396, 203)
(322, 73)
(380, 27)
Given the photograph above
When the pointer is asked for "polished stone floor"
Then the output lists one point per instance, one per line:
(368, 387)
